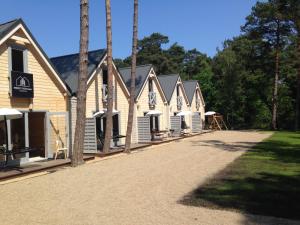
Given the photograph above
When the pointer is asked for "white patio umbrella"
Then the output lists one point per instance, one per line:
(184, 113)
(9, 114)
(209, 113)
(103, 111)
(153, 112)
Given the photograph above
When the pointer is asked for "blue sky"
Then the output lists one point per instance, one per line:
(197, 24)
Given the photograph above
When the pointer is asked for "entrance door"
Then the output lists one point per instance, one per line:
(154, 123)
(36, 127)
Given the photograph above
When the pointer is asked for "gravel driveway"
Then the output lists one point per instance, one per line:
(140, 188)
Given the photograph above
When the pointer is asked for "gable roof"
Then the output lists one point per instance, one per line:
(168, 84)
(190, 88)
(142, 73)
(9, 28)
(68, 67)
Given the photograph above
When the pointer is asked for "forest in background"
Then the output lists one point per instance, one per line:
(238, 81)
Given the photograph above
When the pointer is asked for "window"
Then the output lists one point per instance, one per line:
(150, 85)
(177, 90)
(104, 78)
(17, 63)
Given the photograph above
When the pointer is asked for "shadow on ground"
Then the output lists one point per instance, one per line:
(233, 147)
(264, 181)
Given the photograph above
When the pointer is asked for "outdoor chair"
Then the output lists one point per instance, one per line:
(59, 148)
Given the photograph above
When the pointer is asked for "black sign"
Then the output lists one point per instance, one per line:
(21, 85)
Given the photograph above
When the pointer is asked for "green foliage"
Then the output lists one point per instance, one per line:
(238, 80)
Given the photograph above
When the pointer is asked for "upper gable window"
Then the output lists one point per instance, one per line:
(17, 60)
(105, 77)
(150, 85)
(177, 90)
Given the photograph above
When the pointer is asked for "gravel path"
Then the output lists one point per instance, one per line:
(140, 188)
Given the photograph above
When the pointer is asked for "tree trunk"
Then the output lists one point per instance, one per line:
(297, 126)
(275, 88)
(108, 131)
(133, 75)
(77, 156)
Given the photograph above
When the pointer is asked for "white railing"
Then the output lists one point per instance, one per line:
(179, 102)
(105, 92)
(152, 98)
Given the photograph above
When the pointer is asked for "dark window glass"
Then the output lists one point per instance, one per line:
(105, 77)
(151, 124)
(2, 133)
(156, 123)
(17, 63)
(116, 125)
(177, 90)
(150, 85)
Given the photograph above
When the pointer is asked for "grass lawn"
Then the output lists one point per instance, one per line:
(264, 181)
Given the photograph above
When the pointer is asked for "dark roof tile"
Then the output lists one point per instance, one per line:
(190, 88)
(68, 67)
(5, 28)
(141, 75)
(168, 84)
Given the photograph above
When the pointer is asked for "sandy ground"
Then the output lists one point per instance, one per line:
(140, 188)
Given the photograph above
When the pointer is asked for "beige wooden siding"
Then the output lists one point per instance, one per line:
(123, 107)
(173, 102)
(94, 101)
(58, 126)
(202, 107)
(142, 106)
(48, 94)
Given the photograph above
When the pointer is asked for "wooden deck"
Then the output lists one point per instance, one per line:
(121, 149)
(28, 168)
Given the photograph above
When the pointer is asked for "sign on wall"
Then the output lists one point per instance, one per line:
(21, 85)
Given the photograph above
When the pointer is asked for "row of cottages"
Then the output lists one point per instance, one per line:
(177, 102)
(162, 104)
(150, 102)
(45, 91)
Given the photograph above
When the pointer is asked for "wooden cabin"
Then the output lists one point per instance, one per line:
(177, 103)
(30, 84)
(197, 105)
(96, 99)
(150, 102)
